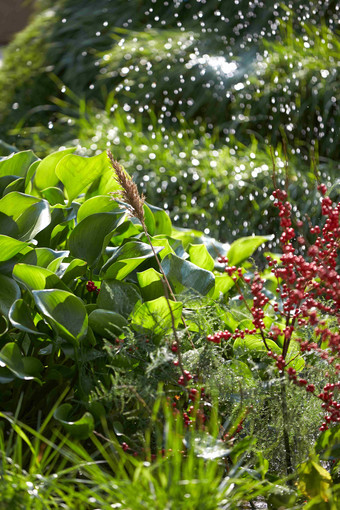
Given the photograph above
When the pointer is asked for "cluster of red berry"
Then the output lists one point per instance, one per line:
(308, 288)
(91, 287)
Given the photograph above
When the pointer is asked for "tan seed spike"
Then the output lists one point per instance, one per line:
(129, 193)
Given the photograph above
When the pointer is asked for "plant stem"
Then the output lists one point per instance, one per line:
(288, 453)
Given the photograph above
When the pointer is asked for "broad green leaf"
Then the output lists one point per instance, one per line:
(105, 183)
(64, 311)
(240, 368)
(155, 316)
(314, 480)
(150, 282)
(17, 185)
(73, 270)
(24, 367)
(53, 196)
(223, 283)
(106, 323)
(29, 175)
(3, 325)
(183, 275)
(91, 236)
(328, 444)
(186, 236)
(5, 180)
(30, 214)
(126, 258)
(98, 204)
(164, 243)
(254, 343)
(149, 220)
(37, 278)
(6, 375)
(162, 222)
(125, 231)
(200, 256)
(17, 163)
(118, 296)
(9, 292)
(21, 317)
(10, 247)
(45, 174)
(79, 429)
(78, 172)
(43, 256)
(244, 247)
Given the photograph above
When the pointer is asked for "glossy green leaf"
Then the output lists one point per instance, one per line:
(98, 204)
(200, 256)
(53, 195)
(91, 236)
(78, 172)
(126, 258)
(155, 316)
(37, 278)
(183, 275)
(223, 283)
(30, 214)
(6, 376)
(4, 324)
(45, 174)
(64, 311)
(162, 222)
(164, 243)
(24, 367)
(150, 282)
(254, 343)
(29, 176)
(17, 185)
(73, 270)
(5, 180)
(106, 323)
(244, 247)
(125, 231)
(10, 247)
(149, 220)
(79, 429)
(118, 296)
(17, 163)
(105, 183)
(44, 256)
(9, 292)
(21, 317)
